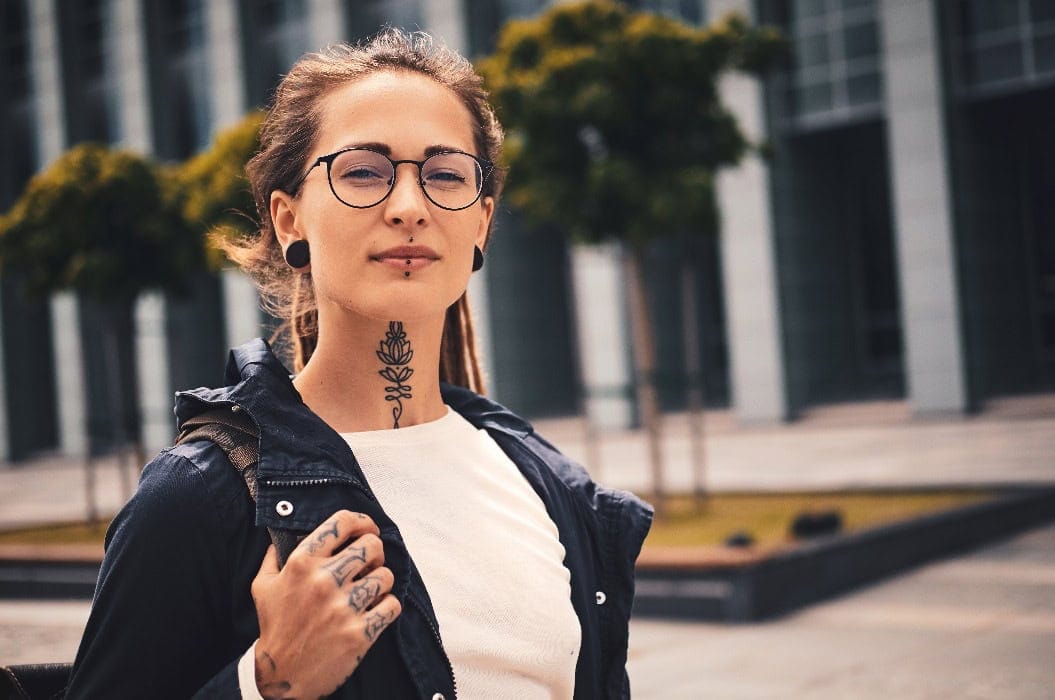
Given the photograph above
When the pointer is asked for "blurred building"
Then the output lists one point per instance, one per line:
(895, 242)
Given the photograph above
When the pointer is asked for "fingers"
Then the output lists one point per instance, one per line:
(363, 554)
(381, 616)
(369, 589)
(338, 529)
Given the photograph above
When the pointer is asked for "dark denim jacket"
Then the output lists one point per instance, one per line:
(172, 612)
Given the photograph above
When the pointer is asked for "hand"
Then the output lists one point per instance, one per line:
(323, 611)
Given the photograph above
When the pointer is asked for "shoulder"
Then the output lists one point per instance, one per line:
(618, 509)
(190, 488)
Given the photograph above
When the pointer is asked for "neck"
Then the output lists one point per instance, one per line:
(367, 374)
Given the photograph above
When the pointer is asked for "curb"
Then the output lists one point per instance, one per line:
(744, 587)
(791, 578)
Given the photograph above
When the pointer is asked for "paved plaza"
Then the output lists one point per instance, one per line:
(862, 445)
(975, 626)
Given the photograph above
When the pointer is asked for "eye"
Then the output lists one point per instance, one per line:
(448, 177)
(361, 173)
(361, 168)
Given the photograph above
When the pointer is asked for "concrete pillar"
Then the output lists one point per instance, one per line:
(923, 226)
(756, 360)
(46, 74)
(446, 20)
(157, 426)
(243, 319)
(71, 384)
(242, 316)
(128, 32)
(604, 334)
(326, 23)
(223, 35)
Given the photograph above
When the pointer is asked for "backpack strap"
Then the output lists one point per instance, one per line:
(34, 681)
(237, 435)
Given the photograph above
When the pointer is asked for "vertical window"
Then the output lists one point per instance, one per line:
(276, 35)
(367, 17)
(88, 68)
(835, 74)
(1003, 44)
(16, 115)
(181, 77)
(486, 17)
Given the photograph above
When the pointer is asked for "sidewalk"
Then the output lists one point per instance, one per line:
(875, 445)
(980, 625)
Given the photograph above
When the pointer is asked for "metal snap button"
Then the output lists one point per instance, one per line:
(601, 597)
(284, 508)
(236, 408)
(437, 696)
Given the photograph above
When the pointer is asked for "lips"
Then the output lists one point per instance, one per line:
(407, 257)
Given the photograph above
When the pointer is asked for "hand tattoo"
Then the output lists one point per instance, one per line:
(321, 538)
(363, 593)
(269, 690)
(342, 568)
(396, 353)
(376, 623)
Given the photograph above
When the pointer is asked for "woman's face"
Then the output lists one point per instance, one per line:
(353, 266)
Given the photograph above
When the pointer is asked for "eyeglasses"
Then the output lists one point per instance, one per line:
(363, 178)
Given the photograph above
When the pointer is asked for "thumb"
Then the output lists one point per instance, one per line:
(269, 566)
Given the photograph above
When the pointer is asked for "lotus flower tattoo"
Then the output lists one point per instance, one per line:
(394, 351)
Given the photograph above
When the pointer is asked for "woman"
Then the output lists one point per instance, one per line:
(448, 549)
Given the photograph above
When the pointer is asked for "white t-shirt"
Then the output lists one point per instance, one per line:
(488, 552)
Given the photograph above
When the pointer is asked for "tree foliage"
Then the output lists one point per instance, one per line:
(102, 222)
(213, 190)
(615, 125)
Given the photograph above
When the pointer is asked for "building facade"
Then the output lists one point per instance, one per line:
(894, 241)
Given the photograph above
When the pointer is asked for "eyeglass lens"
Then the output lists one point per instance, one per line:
(362, 178)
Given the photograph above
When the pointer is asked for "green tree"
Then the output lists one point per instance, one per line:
(615, 131)
(102, 223)
(213, 191)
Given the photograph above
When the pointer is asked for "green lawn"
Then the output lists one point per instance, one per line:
(768, 517)
(687, 522)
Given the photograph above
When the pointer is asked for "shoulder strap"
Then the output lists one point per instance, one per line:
(237, 435)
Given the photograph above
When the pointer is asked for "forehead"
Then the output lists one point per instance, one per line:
(405, 110)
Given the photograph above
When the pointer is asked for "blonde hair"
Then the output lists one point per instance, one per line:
(287, 137)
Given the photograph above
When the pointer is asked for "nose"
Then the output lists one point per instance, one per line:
(406, 205)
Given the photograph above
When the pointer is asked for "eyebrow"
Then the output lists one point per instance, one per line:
(387, 150)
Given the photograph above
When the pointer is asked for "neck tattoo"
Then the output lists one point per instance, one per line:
(394, 351)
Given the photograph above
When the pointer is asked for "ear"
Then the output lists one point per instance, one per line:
(488, 204)
(284, 219)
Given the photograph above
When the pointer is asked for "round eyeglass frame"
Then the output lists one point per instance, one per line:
(486, 168)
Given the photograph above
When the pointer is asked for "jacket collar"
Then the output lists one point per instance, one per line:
(293, 439)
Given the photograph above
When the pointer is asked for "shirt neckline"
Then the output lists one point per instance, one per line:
(415, 433)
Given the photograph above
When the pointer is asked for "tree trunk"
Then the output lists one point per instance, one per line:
(690, 329)
(644, 353)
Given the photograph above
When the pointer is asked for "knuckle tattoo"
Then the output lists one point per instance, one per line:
(364, 592)
(316, 543)
(375, 624)
(345, 566)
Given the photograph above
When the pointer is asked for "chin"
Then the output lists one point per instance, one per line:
(407, 300)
